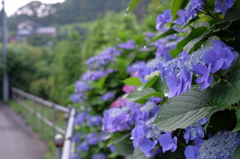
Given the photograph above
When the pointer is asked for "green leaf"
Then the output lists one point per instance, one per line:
(232, 14)
(195, 33)
(209, 5)
(132, 81)
(184, 110)
(138, 154)
(99, 83)
(162, 35)
(237, 128)
(143, 95)
(160, 85)
(177, 5)
(155, 2)
(132, 4)
(197, 37)
(227, 92)
(123, 146)
(236, 154)
(149, 83)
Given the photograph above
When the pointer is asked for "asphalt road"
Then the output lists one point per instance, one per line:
(17, 140)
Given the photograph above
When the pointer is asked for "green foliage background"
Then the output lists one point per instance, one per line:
(48, 67)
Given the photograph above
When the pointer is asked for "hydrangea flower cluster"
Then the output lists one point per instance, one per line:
(223, 5)
(140, 69)
(129, 45)
(103, 58)
(179, 71)
(192, 152)
(195, 131)
(92, 120)
(165, 45)
(221, 145)
(99, 156)
(107, 96)
(146, 138)
(123, 118)
(162, 19)
(96, 71)
(85, 140)
(189, 12)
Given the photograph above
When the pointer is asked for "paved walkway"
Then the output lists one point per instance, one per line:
(17, 140)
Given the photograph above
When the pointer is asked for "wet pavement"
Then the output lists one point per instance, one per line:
(17, 140)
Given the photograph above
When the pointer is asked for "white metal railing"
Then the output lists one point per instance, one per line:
(65, 146)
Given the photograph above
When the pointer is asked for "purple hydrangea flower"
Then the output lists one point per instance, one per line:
(75, 156)
(77, 137)
(195, 131)
(223, 5)
(221, 145)
(104, 58)
(205, 78)
(135, 113)
(111, 148)
(92, 138)
(77, 97)
(163, 52)
(83, 146)
(134, 67)
(220, 56)
(162, 19)
(81, 86)
(147, 146)
(174, 84)
(99, 156)
(115, 119)
(148, 35)
(80, 118)
(138, 133)
(94, 75)
(94, 120)
(156, 100)
(191, 152)
(167, 142)
(189, 12)
(128, 45)
(186, 79)
(107, 96)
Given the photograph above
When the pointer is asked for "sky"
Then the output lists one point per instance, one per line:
(11, 6)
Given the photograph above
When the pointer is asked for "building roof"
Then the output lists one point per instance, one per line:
(46, 30)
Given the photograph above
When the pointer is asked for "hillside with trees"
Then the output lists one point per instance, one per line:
(70, 11)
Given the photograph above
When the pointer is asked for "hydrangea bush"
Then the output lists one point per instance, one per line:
(181, 96)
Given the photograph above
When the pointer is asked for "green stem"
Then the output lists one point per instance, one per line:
(183, 144)
(230, 107)
(212, 16)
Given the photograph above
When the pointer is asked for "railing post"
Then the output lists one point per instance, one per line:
(42, 124)
(53, 120)
(59, 144)
(68, 135)
(34, 121)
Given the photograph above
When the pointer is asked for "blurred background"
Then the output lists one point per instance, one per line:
(48, 43)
